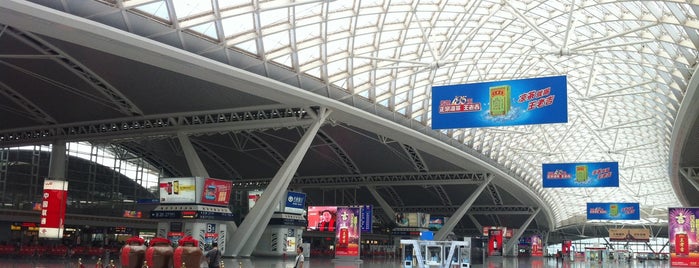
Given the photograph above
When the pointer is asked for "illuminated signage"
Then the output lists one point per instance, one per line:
(53, 209)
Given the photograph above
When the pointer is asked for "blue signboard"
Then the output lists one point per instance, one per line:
(501, 103)
(296, 200)
(613, 211)
(366, 220)
(596, 174)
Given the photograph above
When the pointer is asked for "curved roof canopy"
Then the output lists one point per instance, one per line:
(629, 65)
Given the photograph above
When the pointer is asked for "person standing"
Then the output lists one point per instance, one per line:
(299, 257)
(213, 256)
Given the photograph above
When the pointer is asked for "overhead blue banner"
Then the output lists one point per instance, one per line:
(501, 103)
(613, 211)
(596, 174)
(296, 200)
(366, 221)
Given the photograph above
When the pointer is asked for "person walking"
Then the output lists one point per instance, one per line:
(213, 256)
(299, 257)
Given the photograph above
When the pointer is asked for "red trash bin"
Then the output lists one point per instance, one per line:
(188, 253)
(159, 254)
(133, 253)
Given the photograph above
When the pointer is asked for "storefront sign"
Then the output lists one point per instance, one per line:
(636, 235)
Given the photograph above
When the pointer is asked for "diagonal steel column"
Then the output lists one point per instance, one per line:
(478, 225)
(244, 240)
(382, 202)
(509, 247)
(196, 167)
(690, 179)
(57, 163)
(461, 211)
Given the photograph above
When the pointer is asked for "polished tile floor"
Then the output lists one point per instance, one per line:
(506, 262)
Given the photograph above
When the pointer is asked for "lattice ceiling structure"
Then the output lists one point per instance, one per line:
(628, 65)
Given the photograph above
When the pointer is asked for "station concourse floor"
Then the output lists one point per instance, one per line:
(504, 262)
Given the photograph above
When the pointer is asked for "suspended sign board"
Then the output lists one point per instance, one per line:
(500, 103)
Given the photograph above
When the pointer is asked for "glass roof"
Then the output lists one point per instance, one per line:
(628, 64)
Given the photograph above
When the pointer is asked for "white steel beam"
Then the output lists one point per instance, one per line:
(382, 202)
(196, 167)
(510, 246)
(245, 238)
(456, 217)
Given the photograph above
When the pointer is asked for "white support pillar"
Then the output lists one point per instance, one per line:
(244, 240)
(57, 163)
(196, 167)
(461, 211)
(509, 247)
(382, 202)
(476, 223)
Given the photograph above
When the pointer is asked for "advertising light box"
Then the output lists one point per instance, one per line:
(322, 218)
(177, 190)
(594, 174)
(412, 219)
(684, 236)
(613, 211)
(53, 209)
(347, 234)
(295, 202)
(500, 103)
(216, 192)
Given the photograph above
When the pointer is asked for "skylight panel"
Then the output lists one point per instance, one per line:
(237, 25)
(276, 41)
(156, 9)
(207, 29)
(186, 8)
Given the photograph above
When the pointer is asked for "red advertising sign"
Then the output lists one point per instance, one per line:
(347, 233)
(683, 231)
(216, 192)
(53, 209)
(565, 247)
(495, 242)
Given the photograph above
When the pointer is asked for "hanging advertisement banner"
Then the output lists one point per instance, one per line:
(347, 234)
(500, 103)
(366, 219)
(177, 190)
(53, 209)
(684, 236)
(594, 174)
(613, 211)
(216, 192)
(635, 235)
